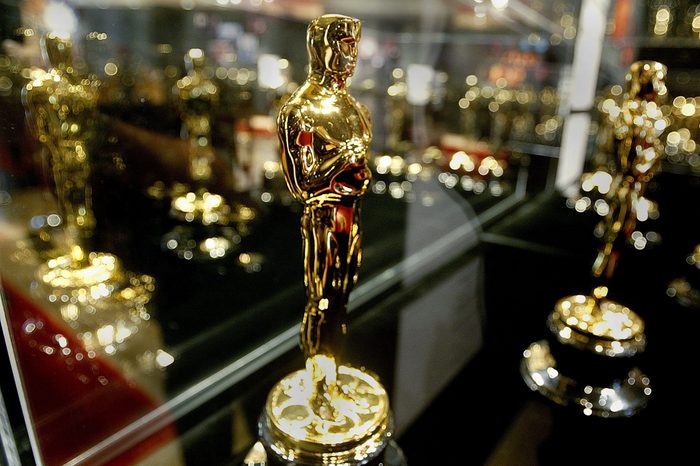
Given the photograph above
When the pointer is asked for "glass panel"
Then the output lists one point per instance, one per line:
(149, 248)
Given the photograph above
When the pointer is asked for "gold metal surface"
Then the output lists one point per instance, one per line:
(327, 413)
(598, 325)
(325, 135)
(358, 429)
(622, 397)
(637, 128)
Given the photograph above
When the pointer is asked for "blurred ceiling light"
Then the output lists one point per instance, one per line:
(59, 18)
(419, 81)
(270, 71)
(499, 4)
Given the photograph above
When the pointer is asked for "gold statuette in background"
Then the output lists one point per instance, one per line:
(639, 150)
(213, 227)
(61, 108)
(327, 413)
(90, 288)
(594, 323)
(198, 98)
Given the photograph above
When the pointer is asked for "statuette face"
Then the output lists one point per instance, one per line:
(332, 45)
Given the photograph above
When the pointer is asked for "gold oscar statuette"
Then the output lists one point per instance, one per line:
(61, 109)
(212, 227)
(593, 323)
(328, 413)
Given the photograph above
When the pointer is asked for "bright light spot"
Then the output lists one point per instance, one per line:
(270, 71)
(643, 206)
(601, 207)
(673, 137)
(499, 4)
(640, 243)
(419, 82)
(582, 204)
(53, 220)
(60, 19)
(163, 358)
(105, 335)
(61, 340)
(111, 69)
(688, 109)
(538, 379)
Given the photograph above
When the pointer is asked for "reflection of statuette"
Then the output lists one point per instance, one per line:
(328, 413)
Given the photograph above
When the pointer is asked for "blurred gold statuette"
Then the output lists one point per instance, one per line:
(327, 413)
(61, 108)
(595, 323)
(215, 227)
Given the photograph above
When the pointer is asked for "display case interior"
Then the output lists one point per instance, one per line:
(150, 249)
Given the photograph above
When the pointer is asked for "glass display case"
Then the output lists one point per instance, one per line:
(150, 255)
